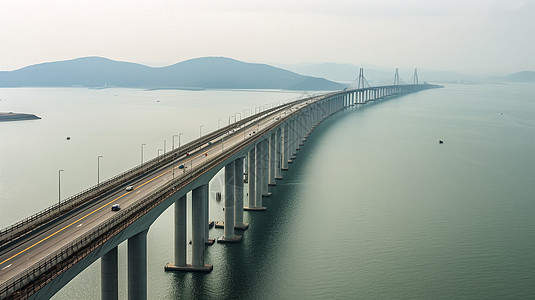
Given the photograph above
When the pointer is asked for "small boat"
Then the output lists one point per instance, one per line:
(440, 141)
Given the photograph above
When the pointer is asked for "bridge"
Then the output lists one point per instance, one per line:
(43, 252)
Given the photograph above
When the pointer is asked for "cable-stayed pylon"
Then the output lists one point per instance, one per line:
(362, 82)
(396, 77)
(415, 76)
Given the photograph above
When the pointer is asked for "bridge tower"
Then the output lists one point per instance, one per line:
(416, 76)
(396, 77)
(362, 82)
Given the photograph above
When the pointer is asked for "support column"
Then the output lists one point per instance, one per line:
(259, 178)
(180, 236)
(238, 192)
(109, 281)
(198, 224)
(286, 149)
(137, 266)
(295, 137)
(272, 158)
(209, 224)
(254, 185)
(265, 168)
(230, 182)
(278, 153)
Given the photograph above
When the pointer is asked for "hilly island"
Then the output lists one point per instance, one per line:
(198, 73)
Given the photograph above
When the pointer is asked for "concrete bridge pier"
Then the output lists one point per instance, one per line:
(109, 281)
(295, 137)
(278, 154)
(298, 131)
(199, 223)
(137, 266)
(259, 178)
(272, 158)
(308, 117)
(302, 128)
(255, 186)
(290, 141)
(230, 183)
(206, 209)
(238, 192)
(265, 168)
(286, 148)
(180, 237)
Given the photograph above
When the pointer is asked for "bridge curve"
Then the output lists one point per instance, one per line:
(270, 138)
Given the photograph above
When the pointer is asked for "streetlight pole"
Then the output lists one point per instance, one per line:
(174, 140)
(236, 119)
(142, 155)
(218, 123)
(164, 141)
(98, 169)
(179, 139)
(59, 192)
(200, 131)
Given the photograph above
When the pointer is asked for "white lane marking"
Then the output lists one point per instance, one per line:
(6, 267)
(80, 224)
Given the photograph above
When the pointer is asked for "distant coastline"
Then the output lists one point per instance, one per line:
(11, 116)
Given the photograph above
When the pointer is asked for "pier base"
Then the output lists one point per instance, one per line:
(188, 268)
(221, 224)
(242, 227)
(234, 239)
(210, 242)
(259, 208)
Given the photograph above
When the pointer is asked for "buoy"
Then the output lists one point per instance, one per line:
(68, 138)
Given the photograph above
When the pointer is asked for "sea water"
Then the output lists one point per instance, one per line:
(373, 206)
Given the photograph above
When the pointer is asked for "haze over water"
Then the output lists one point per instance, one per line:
(373, 206)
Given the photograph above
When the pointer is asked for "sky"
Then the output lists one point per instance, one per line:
(470, 36)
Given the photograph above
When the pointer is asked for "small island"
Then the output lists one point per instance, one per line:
(11, 116)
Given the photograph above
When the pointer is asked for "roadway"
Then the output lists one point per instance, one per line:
(58, 233)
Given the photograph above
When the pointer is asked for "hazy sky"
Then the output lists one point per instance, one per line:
(475, 36)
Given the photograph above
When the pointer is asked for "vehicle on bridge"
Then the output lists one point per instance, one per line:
(115, 207)
(129, 188)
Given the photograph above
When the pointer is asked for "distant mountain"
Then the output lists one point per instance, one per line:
(524, 76)
(199, 73)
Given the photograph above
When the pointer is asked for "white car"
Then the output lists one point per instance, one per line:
(129, 188)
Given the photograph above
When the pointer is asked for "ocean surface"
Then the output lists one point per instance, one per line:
(372, 208)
